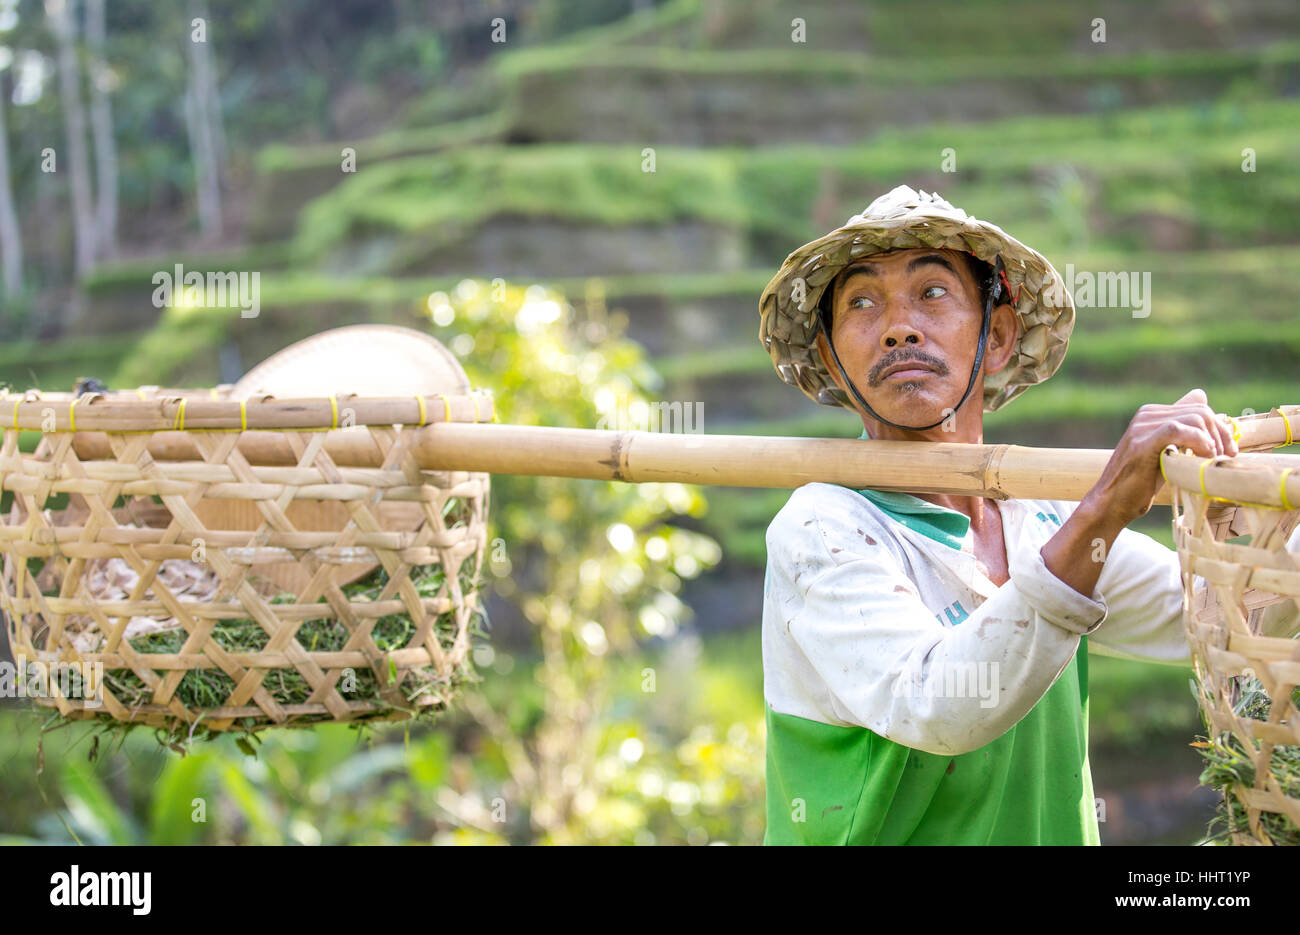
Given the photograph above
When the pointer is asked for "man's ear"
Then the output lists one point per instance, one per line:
(1004, 332)
(824, 351)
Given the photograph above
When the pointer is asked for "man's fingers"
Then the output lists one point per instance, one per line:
(1189, 436)
(1193, 396)
(1225, 434)
(1195, 413)
(1209, 423)
(1217, 428)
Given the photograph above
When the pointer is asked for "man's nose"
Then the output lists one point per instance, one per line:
(900, 332)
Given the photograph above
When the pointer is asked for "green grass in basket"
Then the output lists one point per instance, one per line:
(1228, 764)
(210, 687)
(201, 689)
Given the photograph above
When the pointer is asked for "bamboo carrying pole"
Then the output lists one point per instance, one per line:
(997, 471)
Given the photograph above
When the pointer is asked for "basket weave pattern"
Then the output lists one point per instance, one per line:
(1229, 638)
(100, 523)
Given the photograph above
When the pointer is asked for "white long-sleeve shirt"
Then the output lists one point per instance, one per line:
(861, 614)
(913, 701)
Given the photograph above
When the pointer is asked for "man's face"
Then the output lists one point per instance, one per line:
(906, 327)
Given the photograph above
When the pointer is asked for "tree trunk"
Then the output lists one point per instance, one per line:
(63, 24)
(101, 117)
(200, 110)
(11, 246)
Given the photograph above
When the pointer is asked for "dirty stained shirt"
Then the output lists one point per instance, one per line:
(909, 700)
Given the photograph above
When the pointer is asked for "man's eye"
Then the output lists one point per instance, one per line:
(853, 303)
(929, 289)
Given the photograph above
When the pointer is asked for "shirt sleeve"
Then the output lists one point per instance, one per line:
(1141, 582)
(889, 665)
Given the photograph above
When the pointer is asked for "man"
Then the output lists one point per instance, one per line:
(926, 657)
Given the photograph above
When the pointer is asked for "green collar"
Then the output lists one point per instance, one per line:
(929, 519)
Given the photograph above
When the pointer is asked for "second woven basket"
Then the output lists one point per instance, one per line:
(205, 563)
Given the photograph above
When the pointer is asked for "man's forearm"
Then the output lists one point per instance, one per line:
(1079, 549)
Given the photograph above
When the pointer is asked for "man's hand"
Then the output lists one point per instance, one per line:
(1128, 484)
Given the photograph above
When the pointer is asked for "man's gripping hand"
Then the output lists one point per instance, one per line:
(1129, 483)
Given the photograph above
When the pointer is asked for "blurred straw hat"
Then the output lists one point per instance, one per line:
(368, 360)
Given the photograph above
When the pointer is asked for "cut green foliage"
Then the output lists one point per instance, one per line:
(210, 687)
(1230, 767)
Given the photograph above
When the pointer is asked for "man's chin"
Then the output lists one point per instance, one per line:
(908, 403)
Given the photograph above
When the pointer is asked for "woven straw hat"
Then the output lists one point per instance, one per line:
(900, 220)
(369, 360)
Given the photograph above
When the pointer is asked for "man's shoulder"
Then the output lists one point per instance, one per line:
(825, 511)
(820, 501)
(816, 494)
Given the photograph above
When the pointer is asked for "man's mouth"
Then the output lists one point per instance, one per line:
(906, 370)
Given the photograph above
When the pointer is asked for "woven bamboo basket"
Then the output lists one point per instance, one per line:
(1233, 519)
(127, 493)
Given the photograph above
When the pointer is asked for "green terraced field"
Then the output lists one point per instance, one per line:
(1156, 190)
(888, 28)
(1178, 164)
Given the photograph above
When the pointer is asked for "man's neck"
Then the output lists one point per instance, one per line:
(976, 508)
(965, 431)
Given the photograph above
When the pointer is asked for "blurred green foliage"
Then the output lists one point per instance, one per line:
(682, 764)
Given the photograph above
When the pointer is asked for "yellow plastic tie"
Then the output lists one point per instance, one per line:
(1286, 422)
(180, 416)
(476, 415)
(1236, 432)
(1204, 465)
(16, 402)
(213, 393)
(334, 407)
(446, 403)
(72, 415)
(424, 412)
(1286, 504)
(243, 415)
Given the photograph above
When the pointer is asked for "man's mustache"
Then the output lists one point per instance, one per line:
(904, 357)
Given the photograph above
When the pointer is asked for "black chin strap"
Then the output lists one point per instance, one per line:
(995, 296)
